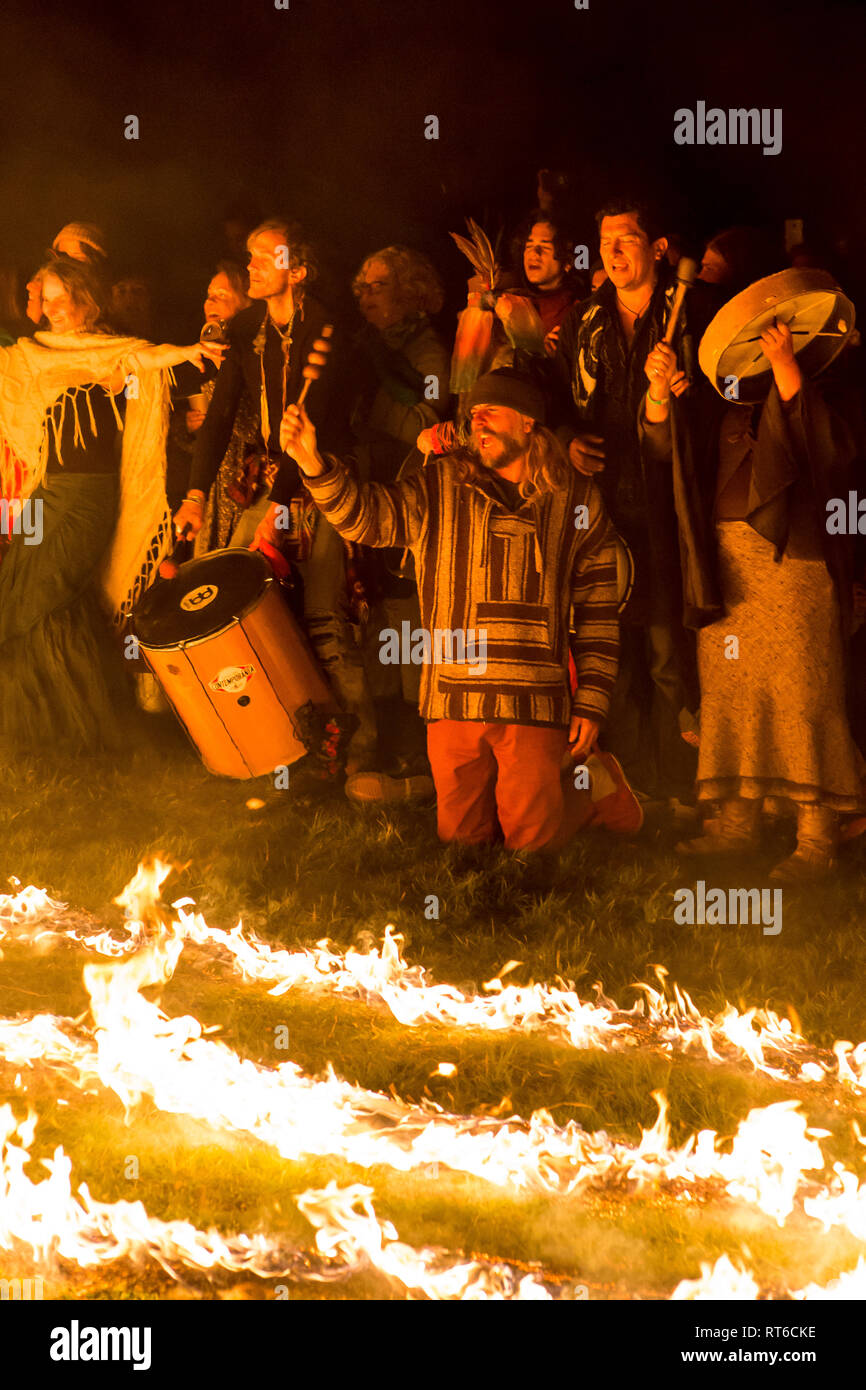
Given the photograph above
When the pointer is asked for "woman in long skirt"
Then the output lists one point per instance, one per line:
(85, 514)
(774, 730)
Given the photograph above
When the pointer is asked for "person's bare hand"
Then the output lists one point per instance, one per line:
(582, 735)
(679, 383)
(189, 514)
(195, 420)
(586, 452)
(202, 353)
(551, 342)
(266, 531)
(660, 367)
(298, 438)
(778, 345)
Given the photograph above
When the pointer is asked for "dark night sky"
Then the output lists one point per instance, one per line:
(319, 110)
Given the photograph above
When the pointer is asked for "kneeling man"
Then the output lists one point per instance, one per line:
(509, 540)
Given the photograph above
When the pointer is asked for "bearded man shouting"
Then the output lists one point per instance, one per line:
(508, 541)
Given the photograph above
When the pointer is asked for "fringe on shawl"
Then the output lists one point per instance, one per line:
(34, 374)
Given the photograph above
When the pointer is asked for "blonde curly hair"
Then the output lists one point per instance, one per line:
(415, 277)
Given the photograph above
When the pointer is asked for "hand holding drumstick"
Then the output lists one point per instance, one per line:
(297, 432)
(298, 438)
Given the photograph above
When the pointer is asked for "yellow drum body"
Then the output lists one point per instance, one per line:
(232, 662)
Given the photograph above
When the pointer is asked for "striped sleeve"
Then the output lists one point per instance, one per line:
(594, 599)
(376, 514)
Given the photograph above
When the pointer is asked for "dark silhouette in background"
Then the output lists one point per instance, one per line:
(322, 109)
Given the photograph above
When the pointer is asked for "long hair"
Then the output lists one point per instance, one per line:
(237, 275)
(415, 276)
(301, 251)
(548, 468)
(563, 242)
(86, 287)
(11, 300)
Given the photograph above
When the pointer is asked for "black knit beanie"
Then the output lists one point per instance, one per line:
(509, 387)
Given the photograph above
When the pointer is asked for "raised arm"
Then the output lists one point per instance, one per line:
(376, 514)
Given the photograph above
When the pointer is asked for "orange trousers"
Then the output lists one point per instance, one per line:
(504, 781)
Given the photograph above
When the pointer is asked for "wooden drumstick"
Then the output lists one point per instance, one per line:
(171, 564)
(316, 361)
(686, 273)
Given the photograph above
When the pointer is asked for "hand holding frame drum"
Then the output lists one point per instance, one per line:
(808, 302)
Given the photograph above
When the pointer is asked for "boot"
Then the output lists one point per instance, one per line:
(817, 841)
(340, 658)
(738, 827)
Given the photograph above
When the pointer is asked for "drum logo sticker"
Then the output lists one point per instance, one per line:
(199, 598)
(231, 679)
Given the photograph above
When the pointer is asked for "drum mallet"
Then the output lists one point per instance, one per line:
(170, 565)
(686, 272)
(316, 361)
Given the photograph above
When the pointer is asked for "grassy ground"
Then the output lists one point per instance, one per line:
(310, 865)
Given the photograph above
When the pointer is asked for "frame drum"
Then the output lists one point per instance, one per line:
(232, 662)
(819, 315)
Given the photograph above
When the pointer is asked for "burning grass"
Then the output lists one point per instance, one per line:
(309, 866)
(619, 1244)
(215, 1178)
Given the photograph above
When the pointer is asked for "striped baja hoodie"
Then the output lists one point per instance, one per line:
(510, 578)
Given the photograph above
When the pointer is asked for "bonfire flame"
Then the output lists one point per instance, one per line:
(381, 974)
(137, 1050)
(48, 1219)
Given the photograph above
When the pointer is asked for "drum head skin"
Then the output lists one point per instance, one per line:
(205, 596)
(819, 315)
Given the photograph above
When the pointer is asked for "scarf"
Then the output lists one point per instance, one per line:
(34, 373)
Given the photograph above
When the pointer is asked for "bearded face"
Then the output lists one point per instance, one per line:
(499, 435)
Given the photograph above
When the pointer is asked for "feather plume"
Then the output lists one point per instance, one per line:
(479, 252)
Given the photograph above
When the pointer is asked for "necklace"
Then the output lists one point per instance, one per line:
(635, 313)
(285, 337)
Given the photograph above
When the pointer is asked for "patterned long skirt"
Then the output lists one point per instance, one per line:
(773, 719)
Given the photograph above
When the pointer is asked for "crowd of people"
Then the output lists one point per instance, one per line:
(665, 616)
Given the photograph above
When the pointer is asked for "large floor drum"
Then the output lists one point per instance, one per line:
(232, 661)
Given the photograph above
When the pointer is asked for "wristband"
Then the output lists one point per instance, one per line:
(651, 397)
(199, 497)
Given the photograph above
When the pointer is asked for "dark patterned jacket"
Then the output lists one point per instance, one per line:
(598, 385)
(255, 359)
